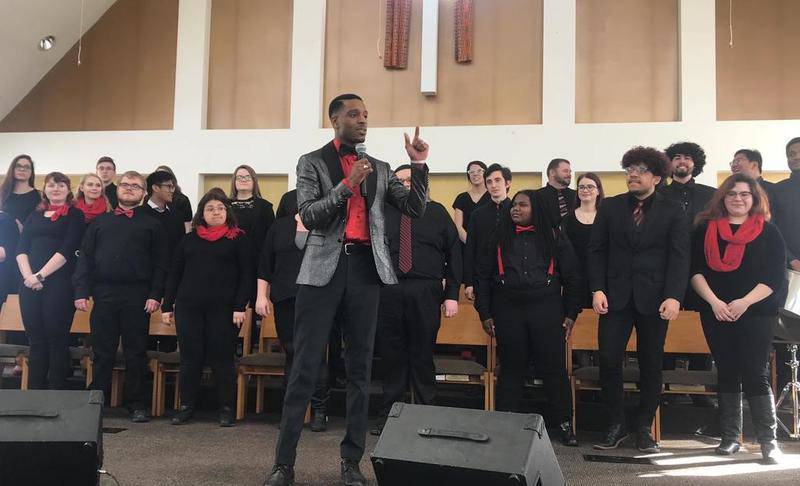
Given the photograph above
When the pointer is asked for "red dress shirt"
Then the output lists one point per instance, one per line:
(356, 228)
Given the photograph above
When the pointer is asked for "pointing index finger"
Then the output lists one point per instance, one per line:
(416, 133)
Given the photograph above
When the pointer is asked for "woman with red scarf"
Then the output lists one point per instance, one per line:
(46, 258)
(208, 288)
(91, 198)
(518, 296)
(738, 259)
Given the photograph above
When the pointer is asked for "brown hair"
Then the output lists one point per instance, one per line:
(596, 179)
(256, 189)
(214, 194)
(58, 178)
(7, 187)
(715, 208)
(81, 195)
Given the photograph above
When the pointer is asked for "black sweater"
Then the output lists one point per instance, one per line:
(280, 259)
(481, 224)
(254, 216)
(210, 273)
(20, 206)
(763, 262)
(42, 238)
(118, 250)
(172, 222)
(9, 236)
(786, 212)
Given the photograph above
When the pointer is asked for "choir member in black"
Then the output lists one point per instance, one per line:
(9, 236)
(484, 219)
(687, 162)
(424, 251)
(578, 226)
(787, 205)
(180, 203)
(18, 197)
(91, 198)
(106, 169)
(519, 300)
(738, 261)
(638, 272)
(749, 162)
(288, 204)
(558, 199)
(46, 258)
(469, 200)
(279, 264)
(254, 213)
(122, 267)
(208, 289)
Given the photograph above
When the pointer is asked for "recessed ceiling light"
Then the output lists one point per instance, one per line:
(47, 43)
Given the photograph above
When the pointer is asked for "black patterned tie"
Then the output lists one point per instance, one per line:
(562, 204)
(638, 214)
(405, 244)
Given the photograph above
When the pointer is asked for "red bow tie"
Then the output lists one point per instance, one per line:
(127, 212)
(524, 229)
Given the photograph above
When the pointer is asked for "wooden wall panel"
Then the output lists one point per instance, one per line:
(613, 182)
(757, 77)
(126, 80)
(249, 77)
(503, 84)
(272, 186)
(627, 61)
(445, 187)
(768, 175)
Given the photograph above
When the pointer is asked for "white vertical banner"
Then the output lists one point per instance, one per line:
(430, 47)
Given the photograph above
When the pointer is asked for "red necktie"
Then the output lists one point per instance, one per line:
(405, 244)
(638, 214)
(127, 212)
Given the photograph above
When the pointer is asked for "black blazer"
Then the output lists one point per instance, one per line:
(549, 201)
(647, 264)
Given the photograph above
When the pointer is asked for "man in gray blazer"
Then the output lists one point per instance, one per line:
(346, 261)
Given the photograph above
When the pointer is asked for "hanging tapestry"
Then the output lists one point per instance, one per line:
(398, 22)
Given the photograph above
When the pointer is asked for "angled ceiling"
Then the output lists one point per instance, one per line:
(25, 22)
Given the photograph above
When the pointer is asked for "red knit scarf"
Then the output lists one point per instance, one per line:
(216, 232)
(58, 211)
(734, 252)
(92, 211)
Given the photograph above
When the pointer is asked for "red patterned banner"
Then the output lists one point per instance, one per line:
(464, 30)
(398, 22)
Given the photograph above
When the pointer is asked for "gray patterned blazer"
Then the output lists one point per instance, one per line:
(322, 203)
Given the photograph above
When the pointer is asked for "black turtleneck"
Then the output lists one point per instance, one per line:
(692, 196)
(481, 224)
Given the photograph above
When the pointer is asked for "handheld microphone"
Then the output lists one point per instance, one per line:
(361, 153)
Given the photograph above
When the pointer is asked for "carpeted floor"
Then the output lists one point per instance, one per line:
(201, 453)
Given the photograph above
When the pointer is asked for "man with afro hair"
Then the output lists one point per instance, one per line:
(687, 160)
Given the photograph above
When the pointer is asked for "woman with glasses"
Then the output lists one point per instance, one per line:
(468, 201)
(18, 197)
(578, 225)
(206, 315)
(738, 260)
(91, 199)
(46, 258)
(253, 213)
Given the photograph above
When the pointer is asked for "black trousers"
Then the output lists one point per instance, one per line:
(206, 335)
(741, 351)
(284, 325)
(118, 311)
(409, 316)
(47, 316)
(531, 329)
(613, 334)
(354, 286)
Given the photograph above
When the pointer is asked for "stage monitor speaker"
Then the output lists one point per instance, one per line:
(426, 446)
(50, 437)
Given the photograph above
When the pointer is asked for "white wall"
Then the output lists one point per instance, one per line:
(191, 150)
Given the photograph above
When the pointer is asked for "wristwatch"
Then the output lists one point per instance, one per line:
(39, 277)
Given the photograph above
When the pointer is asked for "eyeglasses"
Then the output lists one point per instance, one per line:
(130, 187)
(475, 172)
(587, 188)
(244, 178)
(23, 168)
(637, 169)
(743, 194)
(169, 187)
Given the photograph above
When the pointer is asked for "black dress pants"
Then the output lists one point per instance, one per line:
(741, 351)
(528, 329)
(206, 335)
(47, 316)
(409, 316)
(284, 325)
(613, 334)
(118, 311)
(355, 287)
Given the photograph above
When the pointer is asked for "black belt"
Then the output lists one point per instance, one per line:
(356, 248)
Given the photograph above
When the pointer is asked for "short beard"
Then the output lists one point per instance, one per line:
(681, 172)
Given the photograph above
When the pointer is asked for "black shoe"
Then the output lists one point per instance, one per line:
(762, 411)
(184, 415)
(377, 428)
(770, 452)
(226, 417)
(140, 416)
(645, 442)
(351, 474)
(320, 421)
(281, 475)
(727, 447)
(568, 434)
(615, 435)
(730, 423)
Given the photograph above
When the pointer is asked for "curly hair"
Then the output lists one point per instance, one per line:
(689, 149)
(655, 160)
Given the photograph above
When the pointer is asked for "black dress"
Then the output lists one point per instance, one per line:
(579, 235)
(465, 203)
(20, 206)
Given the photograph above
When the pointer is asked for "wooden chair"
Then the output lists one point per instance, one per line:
(684, 336)
(262, 364)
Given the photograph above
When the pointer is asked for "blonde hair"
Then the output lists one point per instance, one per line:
(81, 195)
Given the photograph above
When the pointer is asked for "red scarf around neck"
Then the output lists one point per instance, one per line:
(734, 252)
(216, 232)
(58, 211)
(98, 207)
